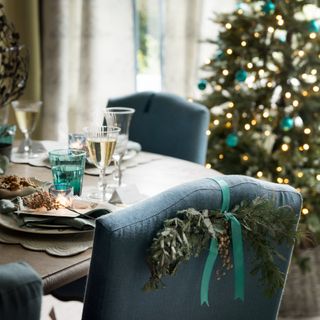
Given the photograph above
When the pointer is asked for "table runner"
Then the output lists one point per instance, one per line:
(57, 245)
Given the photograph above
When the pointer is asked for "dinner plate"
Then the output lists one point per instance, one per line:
(9, 222)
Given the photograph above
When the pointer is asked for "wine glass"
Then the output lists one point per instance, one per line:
(27, 114)
(119, 117)
(101, 143)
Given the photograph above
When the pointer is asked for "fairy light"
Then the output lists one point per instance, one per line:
(267, 133)
(315, 89)
(300, 174)
(259, 174)
(285, 147)
(247, 126)
(208, 132)
(240, 11)
(244, 115)
(243, 43)
(225, 72)
(318, 177)
(228, 125)
(279, 169)
(307, 131)
(304, 76)
(261, 72)
(280, 22)
(249, 65)
(270, 29)
(221, 156)
(279, 180)
(228, 26)
(265, 114)
(301, 53)
(306, 146)
(269, 84)
(314, 72)
(217, 87)
(305, 211)
(237, 87)
(287, 95)
(207, 61)
(286, 180)
(216, 122)
(230, 104)
(279, 17)
(229, 115)
(229, 51)
(300, 148)
(305, 93)
(256, 34)
(245, 157)
(208, 166)
(312, 35)
(295, 103)
(253, 122)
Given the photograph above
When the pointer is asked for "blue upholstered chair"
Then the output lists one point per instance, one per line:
(118, 268)
(167, 124)
(20, 292)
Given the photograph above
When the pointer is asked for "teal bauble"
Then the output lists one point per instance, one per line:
(232, 140)
(219, 55)
(202, 84)
(269, 7)
(314, 26)
(287, 123)
(241, 75)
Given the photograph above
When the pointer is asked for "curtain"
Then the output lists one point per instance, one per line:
(88, 56)
(182, 26)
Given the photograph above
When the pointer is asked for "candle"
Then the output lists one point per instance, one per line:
(77, 141)
(62, 194)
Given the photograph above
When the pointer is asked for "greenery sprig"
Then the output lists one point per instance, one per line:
(188, 234)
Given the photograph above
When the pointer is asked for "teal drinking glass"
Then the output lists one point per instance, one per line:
(67, 166)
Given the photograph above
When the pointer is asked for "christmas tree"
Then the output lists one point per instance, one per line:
(262, 87)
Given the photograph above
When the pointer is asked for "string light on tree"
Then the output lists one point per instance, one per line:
(287, 123)
(285, 147)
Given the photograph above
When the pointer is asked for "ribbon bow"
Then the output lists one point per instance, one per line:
(237, 247)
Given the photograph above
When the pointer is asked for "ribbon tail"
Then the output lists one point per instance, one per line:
(238, 260)
(206, 275)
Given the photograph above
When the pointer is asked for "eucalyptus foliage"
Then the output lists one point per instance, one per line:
(188, 235)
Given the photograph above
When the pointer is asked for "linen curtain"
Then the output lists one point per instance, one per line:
(87, 56)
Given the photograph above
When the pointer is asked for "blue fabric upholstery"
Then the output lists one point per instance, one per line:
(20, 292)
(167, 124)
(118, 268)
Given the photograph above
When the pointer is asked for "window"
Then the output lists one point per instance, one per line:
(148, 44)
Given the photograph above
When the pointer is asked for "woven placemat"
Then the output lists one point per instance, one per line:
(301, 296)
(57, 245)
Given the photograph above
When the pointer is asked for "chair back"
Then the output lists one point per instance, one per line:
(167, 124)
(20, 292)
(119, 270)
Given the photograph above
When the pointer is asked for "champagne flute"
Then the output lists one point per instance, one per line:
(119, 117)
(27, 114)
(101, 143)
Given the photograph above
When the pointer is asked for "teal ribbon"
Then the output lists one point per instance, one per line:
(237, 247)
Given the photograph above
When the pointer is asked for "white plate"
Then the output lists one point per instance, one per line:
(9, 222)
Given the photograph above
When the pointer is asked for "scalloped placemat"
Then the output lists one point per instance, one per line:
(57, 245)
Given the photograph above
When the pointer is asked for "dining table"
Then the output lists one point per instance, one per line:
(153, 174)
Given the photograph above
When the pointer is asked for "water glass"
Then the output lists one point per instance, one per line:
(67, 166)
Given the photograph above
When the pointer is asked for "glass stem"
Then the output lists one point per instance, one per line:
(102, 183)
(27, 142)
